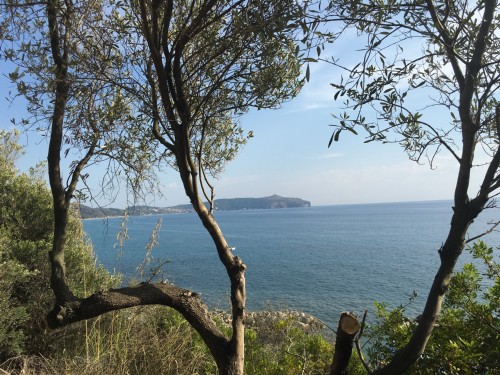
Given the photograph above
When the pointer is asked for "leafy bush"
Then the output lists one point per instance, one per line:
(12, 316)
(144, 340)
(467, 337)
(286, 347)
(26, 227)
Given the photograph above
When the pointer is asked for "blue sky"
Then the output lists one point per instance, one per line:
(289, 155)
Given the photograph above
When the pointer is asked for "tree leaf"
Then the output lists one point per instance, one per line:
(331, 140)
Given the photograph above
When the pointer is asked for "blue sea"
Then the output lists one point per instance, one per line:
(320, 260)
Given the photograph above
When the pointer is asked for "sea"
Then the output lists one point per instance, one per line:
(320, 260)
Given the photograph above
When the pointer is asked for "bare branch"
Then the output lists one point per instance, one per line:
(182, 300)
(358, 346)
(491, 229)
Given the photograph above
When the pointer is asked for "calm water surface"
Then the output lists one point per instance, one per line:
(322, 260)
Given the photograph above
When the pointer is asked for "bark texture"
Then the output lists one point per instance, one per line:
(59, 50)
(347, 330)
(228, 353)
(182, 300)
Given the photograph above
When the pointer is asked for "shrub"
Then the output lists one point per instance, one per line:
(26, 227)
(467, 337)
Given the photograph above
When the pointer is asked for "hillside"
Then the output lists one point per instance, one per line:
(272, 202)
(87, 212)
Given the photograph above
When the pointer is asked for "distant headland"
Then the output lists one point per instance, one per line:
(272, 202)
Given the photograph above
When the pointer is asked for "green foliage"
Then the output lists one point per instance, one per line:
(286, 348)
(99, 115)
(413, 52)
(25, 239)
(12, 316)
(158, 340)
(466, 339)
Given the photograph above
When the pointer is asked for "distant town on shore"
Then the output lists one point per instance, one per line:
(272, 202)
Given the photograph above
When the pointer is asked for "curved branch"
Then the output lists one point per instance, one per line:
(75, 175)
(184, 301)
(358, 345)
(202, 176)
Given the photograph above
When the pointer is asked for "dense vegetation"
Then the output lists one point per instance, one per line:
(154, 340)
(466, 339)
(25, 239)
(146, 85)
(146, 340)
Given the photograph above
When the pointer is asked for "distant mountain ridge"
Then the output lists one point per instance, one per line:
(272, 202)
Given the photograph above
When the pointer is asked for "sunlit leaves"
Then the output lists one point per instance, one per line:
(406, 60)
(100, 114)
(237, 56)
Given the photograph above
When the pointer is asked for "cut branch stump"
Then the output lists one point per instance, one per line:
(346, 333)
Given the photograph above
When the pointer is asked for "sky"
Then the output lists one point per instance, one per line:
(288, 154)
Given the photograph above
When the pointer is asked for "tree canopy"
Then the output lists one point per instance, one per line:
(180, 72)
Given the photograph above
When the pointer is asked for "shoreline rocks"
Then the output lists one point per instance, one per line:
(256, 319)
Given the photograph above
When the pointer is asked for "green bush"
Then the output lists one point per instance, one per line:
(466, 339)
(26, 229)
(285, 347)
(144, 340)
(12, 315)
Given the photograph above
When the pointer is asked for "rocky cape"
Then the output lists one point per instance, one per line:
(272, 202)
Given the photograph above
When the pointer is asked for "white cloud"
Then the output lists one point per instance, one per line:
(330, 155)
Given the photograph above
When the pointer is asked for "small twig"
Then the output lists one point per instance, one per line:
(358, 346)
(153, 241)
(302, 357)
(157, 270)
(497, 119)
(492, 229)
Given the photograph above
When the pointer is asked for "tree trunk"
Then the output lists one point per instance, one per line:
(449, 255)
(231, 362)
(465, 210)
(346, 333)
(59, 195)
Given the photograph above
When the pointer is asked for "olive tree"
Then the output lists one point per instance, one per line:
(103, 80)
(210, 62)
(60, 52)
(457, 68)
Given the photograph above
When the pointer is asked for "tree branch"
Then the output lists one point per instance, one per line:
(358, 346)
(184, 301)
